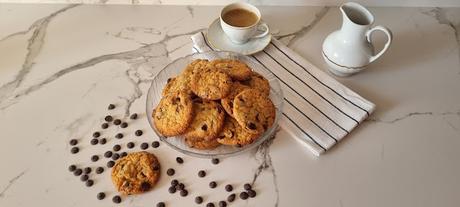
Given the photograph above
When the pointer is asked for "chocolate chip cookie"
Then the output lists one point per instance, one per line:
(173, 114)
(257, 81)
(236, 69)
(201, 144)
(211, 83)
(136, 173)
(254, 111)
(227, 102)
(233, 134)
(207, 122)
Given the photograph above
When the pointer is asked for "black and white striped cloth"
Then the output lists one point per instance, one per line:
(318, 111)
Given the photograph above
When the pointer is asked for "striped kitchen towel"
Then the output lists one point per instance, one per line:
(318, 111)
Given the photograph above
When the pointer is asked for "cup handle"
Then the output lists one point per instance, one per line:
(262, 27)
(387, 44)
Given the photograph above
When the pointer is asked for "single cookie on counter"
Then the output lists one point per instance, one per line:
(236, 69)
(257, 81)
(136, 173)
(233, 134)
(201, 144)
(211, 83)
(227, 102)
(173, 114)
(254, 111)
(208, 120)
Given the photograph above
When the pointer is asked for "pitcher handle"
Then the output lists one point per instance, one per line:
(387, 44)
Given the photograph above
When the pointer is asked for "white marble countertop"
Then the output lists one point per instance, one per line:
(60, 66)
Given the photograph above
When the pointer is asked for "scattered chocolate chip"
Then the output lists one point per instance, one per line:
(212, 184)
(124, 125)
(252, 193)
(100, 196)
(161, 204)
(247, 186)
(89, 183)
(74, 150)
(116, 147)
(174, 182)
(201, 173)
(170, 172)
(179, 160)
(244, 195)
(229, 188)
(231, 197)
(180, 186)
(133, 116)
(94, 158)
(87, 170)
(73, 142)
(198, 200)
(215, 161)
(130, 145)
(210, 205)
(119, 136)
(108, 154)
(117, 121)
(84, 177)
(116, 199)
(172, 189)
(96, 134)
(111, 106)
(145, 186)
(155, 144)
(99, 170)
(77, 172)
(110, 164)
(72, 168)
(103, 141)
(94, 141)
(108, 118)
(115, 156)
(204, 127)
(123, 154)
(144, 145)
(183, 193)
(104, 125)
(252, 126)
(138, 132)
(222, 204)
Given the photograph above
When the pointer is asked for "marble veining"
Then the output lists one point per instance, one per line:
(11, 182)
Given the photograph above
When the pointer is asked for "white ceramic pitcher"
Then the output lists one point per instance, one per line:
(349, 50)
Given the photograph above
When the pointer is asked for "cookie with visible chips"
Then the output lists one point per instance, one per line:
(211, 83)
(234, 135)
(173, 114)
(201, 144)
(136, 173)
(254, 111)
(257, 81)
(227, 102)
(235, 68)
(208, 120)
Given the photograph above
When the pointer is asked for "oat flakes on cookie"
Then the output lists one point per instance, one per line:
(227, 102)
(211, 83)
(136, 173)
(201, 144)
(235, 68)
(173, 114)
(257, 81)
(208, 120)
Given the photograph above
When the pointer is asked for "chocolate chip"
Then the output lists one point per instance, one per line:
(252, 193)
(100, 196)
(99, 170)
(183, 193)
(96, 134)
(117, 121)
(77, 172)
(244, 195)
(161, 204)
(116, 199)
(103, 141)
(215, 161)
(87, 170)
(138, 132)
(204, 127)
(145, 186)
(155, 144)
(210, 205)
(108, 118)
(212, 184)
(94, 158)
(130, 145)
(180, 186)
(144, 145)
(108, 154)
(170, 172)
(115, 156)
(73, 142)
(119, 136)
(123, 154)
(169, 80)
(172, 189)
(124, 125)
(247, 186)
(116, 147)
(110, 164)
(179, 160)
(104, 125)
(231, 197)
(222, 204)
(111, 106)
(74, 150)
(229, 188)
(252, 126)
(241, 99)
(133, 116)
(94, 141)
(174, 182)
(84, 177)
(72, 168)
(198, 200)
(89, 183)
(201, 173)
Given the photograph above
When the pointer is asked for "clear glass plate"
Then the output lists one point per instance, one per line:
(175, 68)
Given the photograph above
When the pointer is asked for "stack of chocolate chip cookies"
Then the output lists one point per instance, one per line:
(213, 103)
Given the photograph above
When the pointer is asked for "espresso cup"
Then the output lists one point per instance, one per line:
(242, 29)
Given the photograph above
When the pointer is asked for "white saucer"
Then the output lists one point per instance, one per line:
(219, 41)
